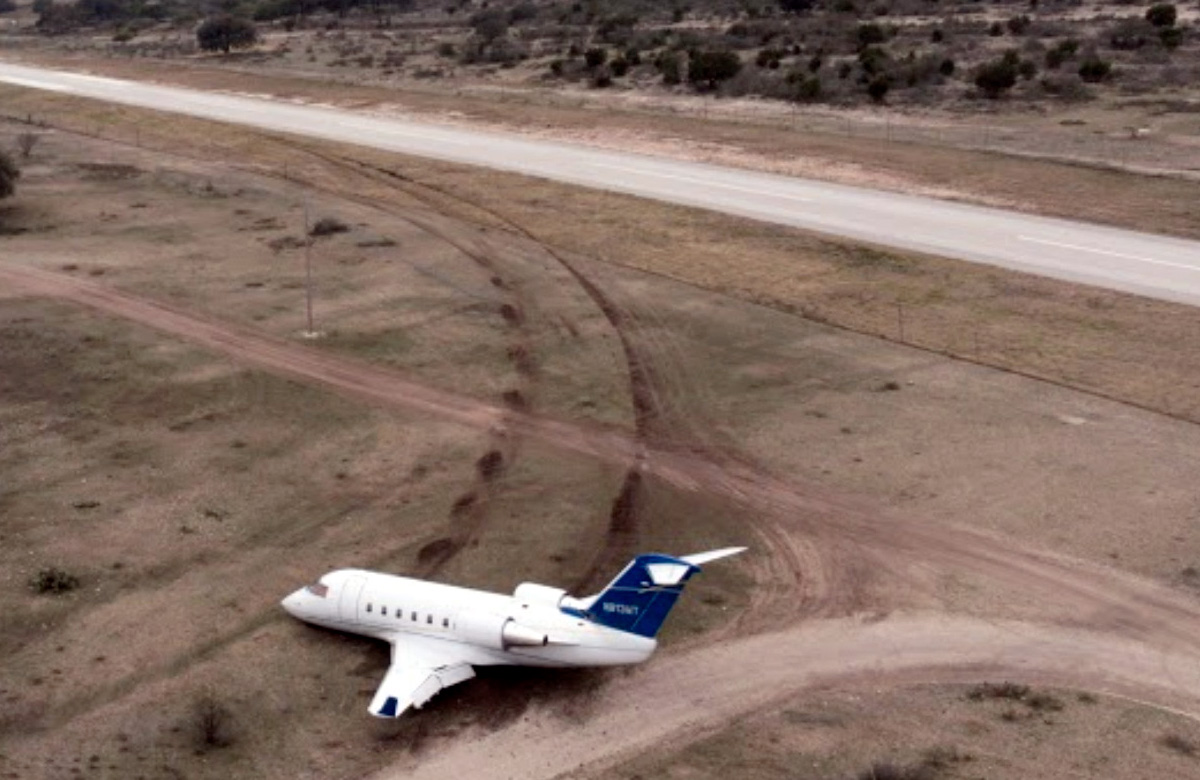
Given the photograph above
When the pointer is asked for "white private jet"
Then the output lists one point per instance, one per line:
(439, 632)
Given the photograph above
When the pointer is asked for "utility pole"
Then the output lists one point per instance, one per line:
(308, 296)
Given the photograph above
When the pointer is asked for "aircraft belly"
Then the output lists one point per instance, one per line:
(579, 655)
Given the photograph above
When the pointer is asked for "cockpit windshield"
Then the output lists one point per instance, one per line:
(318, 589)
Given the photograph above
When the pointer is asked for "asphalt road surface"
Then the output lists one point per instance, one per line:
(1155, 266)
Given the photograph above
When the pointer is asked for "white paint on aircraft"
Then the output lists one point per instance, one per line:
(439, 633)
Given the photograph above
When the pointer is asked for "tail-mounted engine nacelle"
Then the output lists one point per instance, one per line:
(542, 595)
(498, 632)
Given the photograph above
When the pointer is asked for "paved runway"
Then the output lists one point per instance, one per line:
(1156, 266)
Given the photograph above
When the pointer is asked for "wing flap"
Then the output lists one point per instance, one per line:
(417, 673)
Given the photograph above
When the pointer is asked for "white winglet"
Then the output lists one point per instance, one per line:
(699, 559)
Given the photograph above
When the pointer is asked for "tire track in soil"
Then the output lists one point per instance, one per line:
(804, 580)
(622, 533)
(469, 513)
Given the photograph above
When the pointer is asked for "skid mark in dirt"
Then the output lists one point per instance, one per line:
(804, 586)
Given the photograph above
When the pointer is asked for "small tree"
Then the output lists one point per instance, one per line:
(1094, 69)
(595, 57)
(708, 68)
(996, 77)
(1162, 15)
(870, 33)
(225, 32)
(9, 173)
(879, 86)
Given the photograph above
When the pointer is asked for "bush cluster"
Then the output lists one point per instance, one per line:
(52, 580)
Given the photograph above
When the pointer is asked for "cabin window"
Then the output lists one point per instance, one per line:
(445, 622)
(383, 611)
(414, 617)
(399, 614)
(368, 606)
(429, 619)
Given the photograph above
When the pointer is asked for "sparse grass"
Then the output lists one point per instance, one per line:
(1004, 690)
(211, 723)
(934, 763)
(328, 226)
(1044, 702)
(888, 771)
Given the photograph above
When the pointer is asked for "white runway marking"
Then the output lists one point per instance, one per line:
(705, 182)
(1108, 253)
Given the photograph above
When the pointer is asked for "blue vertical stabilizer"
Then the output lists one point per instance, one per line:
(642, 595)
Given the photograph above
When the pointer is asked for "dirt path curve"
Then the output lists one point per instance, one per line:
(689, 693)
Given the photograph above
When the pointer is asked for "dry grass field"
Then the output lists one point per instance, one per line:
(173, 439)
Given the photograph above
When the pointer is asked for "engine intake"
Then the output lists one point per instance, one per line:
(542, 595)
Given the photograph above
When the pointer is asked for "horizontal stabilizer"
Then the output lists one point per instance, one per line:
(699, 559)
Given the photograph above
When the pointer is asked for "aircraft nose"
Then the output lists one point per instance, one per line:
(292, 604)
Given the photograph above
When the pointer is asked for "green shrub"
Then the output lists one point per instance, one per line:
(1162, 15)
(225, 32)
(805, 89)
(708, 68)
(871, 33)
(1018, 25)
(879, 86)
(1171, 37)
(996, 77)
(9, 173)
(1093, 69)
(595, 57)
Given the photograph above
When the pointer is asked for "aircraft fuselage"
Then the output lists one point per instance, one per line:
(534, 627)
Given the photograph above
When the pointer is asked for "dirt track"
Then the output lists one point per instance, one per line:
(686, 694)
(830, 556)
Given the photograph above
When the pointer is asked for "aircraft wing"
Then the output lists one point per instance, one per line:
(420, 668)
